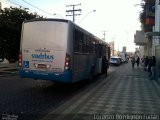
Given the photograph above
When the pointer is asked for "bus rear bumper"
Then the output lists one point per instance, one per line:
(65, 76)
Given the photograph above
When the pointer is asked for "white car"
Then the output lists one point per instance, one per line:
(115, 60)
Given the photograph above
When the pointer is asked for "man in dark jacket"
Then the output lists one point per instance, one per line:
(137, 61)
(153, 67)
(105, 65)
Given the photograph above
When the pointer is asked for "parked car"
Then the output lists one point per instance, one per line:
(115, 60)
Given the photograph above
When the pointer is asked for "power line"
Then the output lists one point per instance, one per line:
(37, 8)
(10, 2)
(15, 3)
(19, 3)
(73, 10)
(86, 16)
(4, 2)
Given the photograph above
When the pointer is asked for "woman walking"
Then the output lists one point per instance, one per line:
(133, 62)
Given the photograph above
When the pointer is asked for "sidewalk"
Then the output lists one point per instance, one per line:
(8, 69)
(124, 92)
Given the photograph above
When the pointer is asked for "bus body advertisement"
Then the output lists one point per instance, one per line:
(59, 50)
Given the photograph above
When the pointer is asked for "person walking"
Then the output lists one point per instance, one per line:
(149, 66)
(145, 63)
(153, 67)
(105, 65)
(137, 61)
(133, 62)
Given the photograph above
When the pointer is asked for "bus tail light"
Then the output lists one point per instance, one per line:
(67, 62)
(20, 60)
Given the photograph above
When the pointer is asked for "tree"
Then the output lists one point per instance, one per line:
(11, 20)
(142, 15)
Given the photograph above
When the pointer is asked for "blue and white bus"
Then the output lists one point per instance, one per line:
(59, 50)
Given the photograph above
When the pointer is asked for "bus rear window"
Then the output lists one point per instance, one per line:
(45, 33)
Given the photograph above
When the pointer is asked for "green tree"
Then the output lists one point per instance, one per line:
(142, 15)
(11, 20)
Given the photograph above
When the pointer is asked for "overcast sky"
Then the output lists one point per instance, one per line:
(119, 18)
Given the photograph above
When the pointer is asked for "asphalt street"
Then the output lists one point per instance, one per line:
(125, 91)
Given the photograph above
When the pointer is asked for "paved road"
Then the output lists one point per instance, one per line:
(30, 99)
(125, 93)
(125, 90)
(33, 99)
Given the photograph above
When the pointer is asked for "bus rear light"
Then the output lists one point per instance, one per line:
(20, 60)
(67, 62)
(66, 68)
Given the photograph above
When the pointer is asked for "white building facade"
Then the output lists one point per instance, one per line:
(149, 42)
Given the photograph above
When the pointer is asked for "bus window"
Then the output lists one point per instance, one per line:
(78, 38)
(93, 46)
(88, 44)
(96, 47)
(75, 41)
(84, 44)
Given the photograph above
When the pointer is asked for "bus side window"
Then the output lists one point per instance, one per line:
(75, 41)
(88, 45)
(81, 42)
(93, 44)
(96, 46)
(84, 44)
(78, 38)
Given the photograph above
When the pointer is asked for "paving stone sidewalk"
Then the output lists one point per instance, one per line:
(126, 91)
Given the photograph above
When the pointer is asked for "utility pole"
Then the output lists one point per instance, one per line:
(113, 47)
(0, 5)
(104, 35)
(73, 10)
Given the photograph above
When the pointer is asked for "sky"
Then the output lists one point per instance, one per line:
(118, 18)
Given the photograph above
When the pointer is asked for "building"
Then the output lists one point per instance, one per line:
(149, 38)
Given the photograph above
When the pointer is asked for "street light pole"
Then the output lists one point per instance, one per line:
(86, 16)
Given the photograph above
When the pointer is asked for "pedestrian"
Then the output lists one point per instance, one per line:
(153, 67)
(137, 61)
(133, 62)
(149, 66)
(142, 62)
(105, 65)
(145, 63)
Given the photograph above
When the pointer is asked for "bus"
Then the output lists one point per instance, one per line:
(59, 50)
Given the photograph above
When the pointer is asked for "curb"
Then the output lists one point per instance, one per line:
(6, 74)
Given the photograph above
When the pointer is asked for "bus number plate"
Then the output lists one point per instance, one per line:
(43, 66)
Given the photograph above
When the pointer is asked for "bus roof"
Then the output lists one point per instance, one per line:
(48, 19)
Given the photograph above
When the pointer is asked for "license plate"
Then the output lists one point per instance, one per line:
(42, 66)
